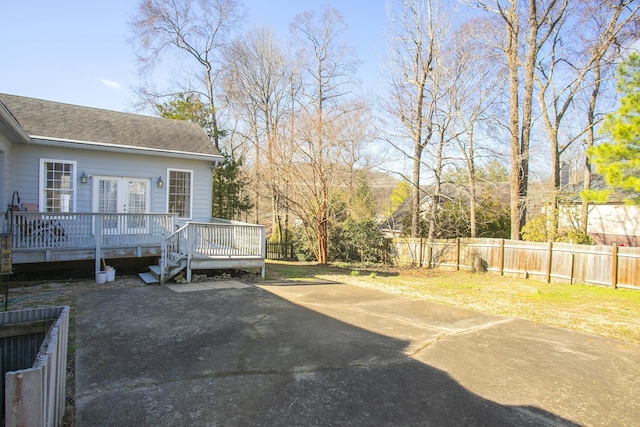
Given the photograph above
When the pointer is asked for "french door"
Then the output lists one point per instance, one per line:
(113, 194)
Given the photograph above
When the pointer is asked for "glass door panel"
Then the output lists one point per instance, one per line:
(137, 201)
(121, 195)
(107, 195)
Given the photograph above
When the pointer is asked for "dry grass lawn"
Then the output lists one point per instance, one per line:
(613, 313)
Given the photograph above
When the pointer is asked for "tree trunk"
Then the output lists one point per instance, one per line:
(511, 51)
(415, 192)
(437, 189)
(471, 170)
(555, 186)
(591, 118)
(323, 234)
(527, 114)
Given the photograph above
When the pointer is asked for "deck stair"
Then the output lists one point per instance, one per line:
(217, 245)
(176, 264)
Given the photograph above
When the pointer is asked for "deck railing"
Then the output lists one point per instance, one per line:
(33, 230)
(220, 238)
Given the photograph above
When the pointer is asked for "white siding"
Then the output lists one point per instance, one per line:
(622, 220)
(607, 224)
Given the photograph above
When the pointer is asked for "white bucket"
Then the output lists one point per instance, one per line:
(111, 275)
(101, 277)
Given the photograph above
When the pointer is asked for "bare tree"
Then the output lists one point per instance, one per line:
(412, 39)
(357, 133)
(196, 31)
(445, 86)
(479, 85)
(259, 83)
(316, 152)
(527, 26)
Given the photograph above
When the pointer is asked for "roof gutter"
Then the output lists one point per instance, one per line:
(117, 148)
(8, 122)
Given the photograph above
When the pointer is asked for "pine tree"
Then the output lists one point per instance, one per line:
(229, 198)
(618, 161)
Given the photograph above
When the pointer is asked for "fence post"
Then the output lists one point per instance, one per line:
(614, 266)
(457, 253)
(549, 259)
(429, 254)
(501, 258)
(573, 263)
(420, 253)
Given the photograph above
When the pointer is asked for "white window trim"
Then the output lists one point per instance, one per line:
(168, 187)
(42, 178)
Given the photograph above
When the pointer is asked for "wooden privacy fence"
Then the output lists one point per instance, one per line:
(616, 266)
(277, 250)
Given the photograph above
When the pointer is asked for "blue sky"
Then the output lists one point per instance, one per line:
(76, 52)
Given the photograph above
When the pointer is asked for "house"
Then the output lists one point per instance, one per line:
(392, 226)
(611, 222)
(607, 223)
(87, 183)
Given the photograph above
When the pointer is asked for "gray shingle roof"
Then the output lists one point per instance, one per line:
(73, 122)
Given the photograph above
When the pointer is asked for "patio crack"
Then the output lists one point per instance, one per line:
(257, 336)
(428, 344)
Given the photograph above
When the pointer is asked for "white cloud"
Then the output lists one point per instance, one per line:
(110, 83)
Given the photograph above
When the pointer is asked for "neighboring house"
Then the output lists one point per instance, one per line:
(131, 181)
(614, 223)
(391, 227)
(607, 223)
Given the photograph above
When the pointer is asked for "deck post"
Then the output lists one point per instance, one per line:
(163, 258)
(263, 250)
(190, 238)
(98, 238)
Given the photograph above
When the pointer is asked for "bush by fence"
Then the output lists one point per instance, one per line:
(551, 262)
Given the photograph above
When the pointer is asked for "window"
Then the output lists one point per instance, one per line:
(179, 196)
(57, 185)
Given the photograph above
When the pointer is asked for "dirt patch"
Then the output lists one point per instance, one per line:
(39, 293)
(42, 292)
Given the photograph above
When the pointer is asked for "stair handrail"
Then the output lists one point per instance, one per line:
(171, 243)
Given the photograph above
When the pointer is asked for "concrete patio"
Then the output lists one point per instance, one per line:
(282, 354)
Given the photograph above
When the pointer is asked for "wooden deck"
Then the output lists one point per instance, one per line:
(217, 245)
(220, 244)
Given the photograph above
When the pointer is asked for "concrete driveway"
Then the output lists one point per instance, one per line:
(285, 354)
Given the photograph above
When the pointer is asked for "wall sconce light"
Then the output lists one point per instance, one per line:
(160, 182)
(84, 178)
